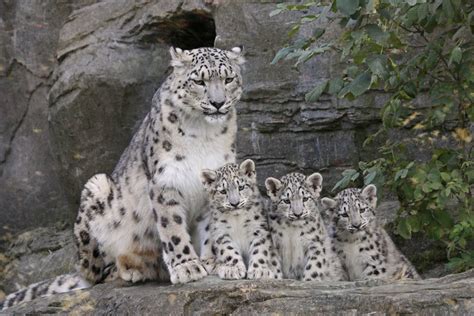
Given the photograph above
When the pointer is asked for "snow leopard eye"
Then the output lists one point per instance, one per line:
(362, 210)
(286, 201)
(241, 187)
(305, 199)
(345, 215)
(222, 191)
(228, 80)
(199, 82)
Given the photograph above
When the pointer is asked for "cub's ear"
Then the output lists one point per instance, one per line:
(208, 177)
(248, 168)
(315, 183)
(370, 194)
(179, 57)
(273, 186)
(236, 54)
(328, 203)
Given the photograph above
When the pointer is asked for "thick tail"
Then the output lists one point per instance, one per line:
(60, 284)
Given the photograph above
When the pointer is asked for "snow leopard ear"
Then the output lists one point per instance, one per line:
(315, 183)
(179, 57)
(236, 54)
(208, 177)
(370, 194)
(248, 168)
(273, 186)
(328, 203)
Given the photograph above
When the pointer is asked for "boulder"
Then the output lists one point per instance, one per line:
(453, 294)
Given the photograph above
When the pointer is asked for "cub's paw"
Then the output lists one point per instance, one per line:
(210, 265)
(188, 271)
(231, 272)
(260, 272)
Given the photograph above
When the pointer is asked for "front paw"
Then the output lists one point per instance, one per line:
(261, 272)
(231, 272)
(188, 271)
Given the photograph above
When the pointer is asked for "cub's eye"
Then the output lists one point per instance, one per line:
(222, 191)
(345, 215)
(362, 210)
(287, 201)
(199, 82)
(241, 187)
(228, 80)
(305, 199)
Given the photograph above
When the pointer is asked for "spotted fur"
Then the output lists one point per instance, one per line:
(60, 284)
(154, 199)
(365, 248)
(240, 236)
(298, 231)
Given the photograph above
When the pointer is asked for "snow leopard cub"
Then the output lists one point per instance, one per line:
(365, 248)
(298, 231)
(238, 226)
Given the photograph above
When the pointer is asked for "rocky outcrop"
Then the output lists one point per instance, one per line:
(453, 294)
(30, 191)
(38, 255)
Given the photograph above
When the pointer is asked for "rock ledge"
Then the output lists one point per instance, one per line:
(452, 294)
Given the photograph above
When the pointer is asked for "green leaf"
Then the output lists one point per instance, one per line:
(335, 85)
(314, 94)
(318, 32)
(276, 12)
(448, 9)
(370, 177)
(456, 55)
(282, 53)
(404, 228)
(347, 7)
(347, 175)
(377, 64)
(443, 218)
(376, 33)
(360, 84)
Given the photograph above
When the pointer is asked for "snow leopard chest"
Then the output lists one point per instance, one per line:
(181, 168)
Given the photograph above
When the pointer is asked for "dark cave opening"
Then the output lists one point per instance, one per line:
(185, 29)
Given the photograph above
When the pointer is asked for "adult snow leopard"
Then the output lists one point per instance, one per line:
(154, 198)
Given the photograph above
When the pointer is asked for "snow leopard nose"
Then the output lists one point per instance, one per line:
(234, 204)
(216, 104)
(357, 226)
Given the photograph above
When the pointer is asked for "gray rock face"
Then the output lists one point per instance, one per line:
(451, 295)
(30, 190)
(38, 255)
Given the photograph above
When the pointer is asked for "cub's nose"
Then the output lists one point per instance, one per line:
(216, 104)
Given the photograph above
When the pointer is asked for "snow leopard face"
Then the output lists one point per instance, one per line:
(207, 82)
(294, 195)
(352, 210)
(231, 187)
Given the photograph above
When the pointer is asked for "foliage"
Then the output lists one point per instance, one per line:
(421, 54)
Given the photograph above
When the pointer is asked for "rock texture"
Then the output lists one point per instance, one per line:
(38, 255)
(451, 295)
(30, 191)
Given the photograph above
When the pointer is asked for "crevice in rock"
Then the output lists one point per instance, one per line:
(183, 29)
(17, 127)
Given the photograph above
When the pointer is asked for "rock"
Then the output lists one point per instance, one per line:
(453, 294)
(113, 55)
(29, 185)
(38, 255)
